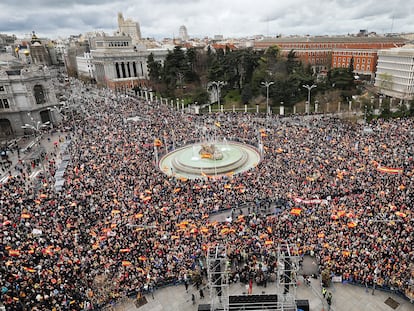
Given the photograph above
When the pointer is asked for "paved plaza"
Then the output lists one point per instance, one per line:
(346, 297)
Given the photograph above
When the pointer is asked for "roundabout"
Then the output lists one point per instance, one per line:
(203, 160)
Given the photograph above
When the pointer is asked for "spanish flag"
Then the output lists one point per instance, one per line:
(401, 214)
(157, 142)
(268, 242)
(142, 258)
(31, 270)
(224, 231)
(341, 213)
(352, 225)
(25, 216)
(296, 211)
(217, 124)
(124, 250)
(126, 263)
(14, 253)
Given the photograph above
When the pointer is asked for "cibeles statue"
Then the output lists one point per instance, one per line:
(209, 151)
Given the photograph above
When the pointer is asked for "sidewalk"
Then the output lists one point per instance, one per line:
(21, 160)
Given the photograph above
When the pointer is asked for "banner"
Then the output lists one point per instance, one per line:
(389, 170)
(310, 201)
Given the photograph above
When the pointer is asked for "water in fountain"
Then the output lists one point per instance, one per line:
(195, 156)
(225, 145)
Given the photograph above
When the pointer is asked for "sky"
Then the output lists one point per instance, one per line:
(205, 18)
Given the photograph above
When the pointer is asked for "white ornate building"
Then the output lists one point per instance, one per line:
(119, 64)
(26, 96)
(395, 72)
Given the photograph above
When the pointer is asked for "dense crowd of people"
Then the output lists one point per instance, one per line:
(121, 224)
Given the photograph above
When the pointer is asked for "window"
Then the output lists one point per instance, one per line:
(39, 94)
(363, 60)
(4, 103)
(358, 60)
(1, 88)
(368, 61)
(368, 67)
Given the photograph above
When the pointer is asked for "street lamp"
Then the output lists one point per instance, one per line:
(266, 84)
(309, 88)
(218, 85)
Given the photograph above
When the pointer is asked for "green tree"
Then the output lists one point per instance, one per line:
(341, 78)
(154, 69)
(246, 94)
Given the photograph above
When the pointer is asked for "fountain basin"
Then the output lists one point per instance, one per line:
(189, 163)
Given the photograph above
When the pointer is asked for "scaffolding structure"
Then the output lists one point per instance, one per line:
(217, 274)
(287, 273)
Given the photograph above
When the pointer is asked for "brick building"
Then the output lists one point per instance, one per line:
(324, 53)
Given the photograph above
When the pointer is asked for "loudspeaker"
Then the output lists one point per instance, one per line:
(204, 307)
(303, 305)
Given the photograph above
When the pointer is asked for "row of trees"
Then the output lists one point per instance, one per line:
(186, 73)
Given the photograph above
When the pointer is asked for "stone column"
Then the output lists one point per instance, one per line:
(281, 109)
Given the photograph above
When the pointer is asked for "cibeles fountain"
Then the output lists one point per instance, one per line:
(210, 159)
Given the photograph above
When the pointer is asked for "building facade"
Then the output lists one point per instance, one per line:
(85, 67)
(182, 33)
(395, 73)
(120, 65)
(127, 27)
(26, 96)
(364, 60)
(324, 53)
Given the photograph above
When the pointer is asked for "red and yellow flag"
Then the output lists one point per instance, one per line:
(296, 211)
(126, 263)
(352, 224)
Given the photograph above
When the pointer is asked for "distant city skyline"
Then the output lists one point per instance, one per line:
(205, 18)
